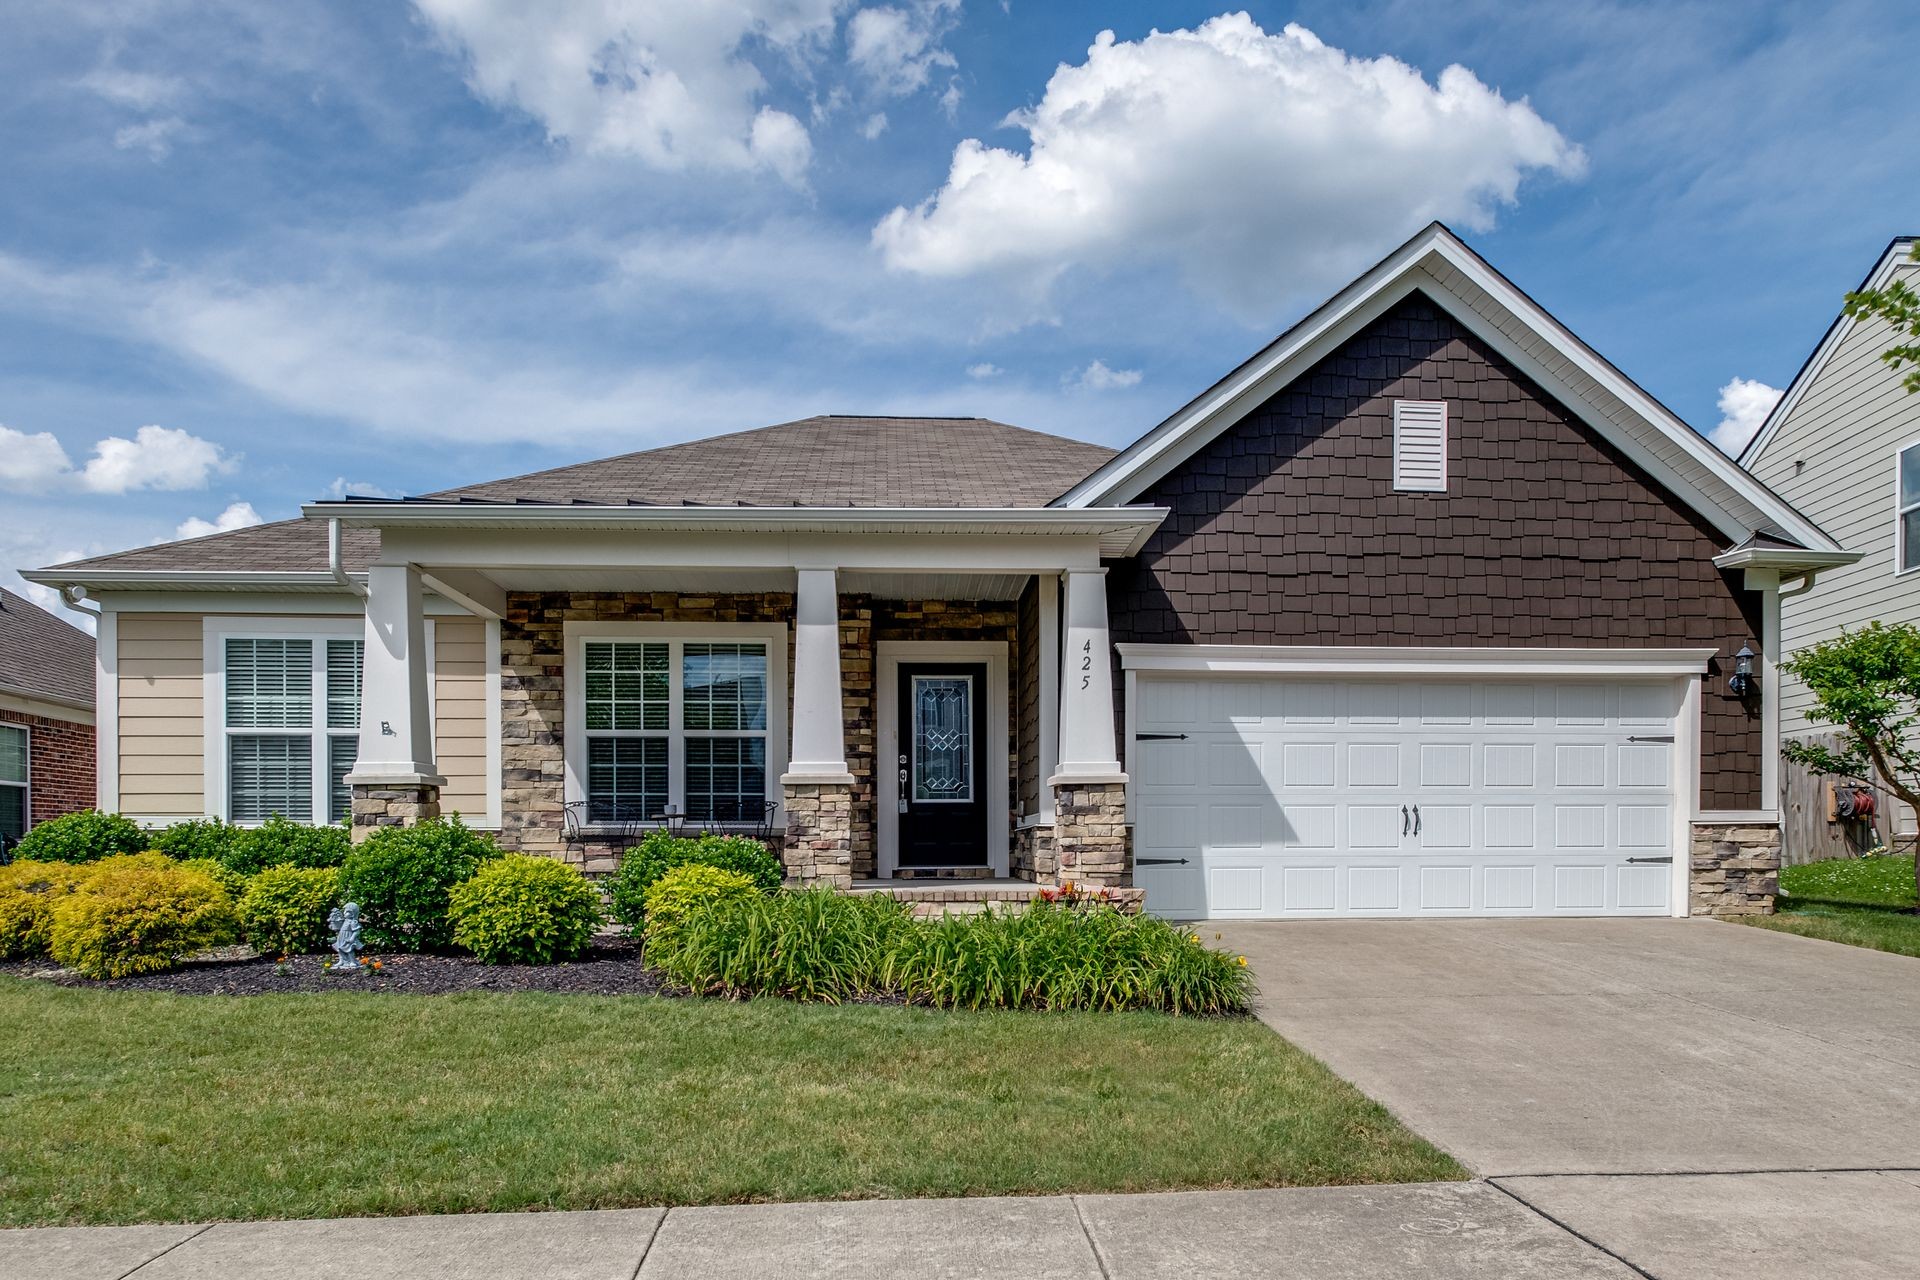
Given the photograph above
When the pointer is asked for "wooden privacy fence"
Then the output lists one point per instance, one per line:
(1806, 800)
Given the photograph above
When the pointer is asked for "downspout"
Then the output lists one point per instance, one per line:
(1806, 584)
(335, 564)
(71, 595)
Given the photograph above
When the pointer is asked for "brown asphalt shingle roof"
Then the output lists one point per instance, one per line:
(41, 656)
(829, 461)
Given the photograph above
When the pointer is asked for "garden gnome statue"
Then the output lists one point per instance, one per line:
(345, 922)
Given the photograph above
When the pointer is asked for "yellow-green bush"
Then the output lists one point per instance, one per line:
(28, 891)
(232, 881)
(521, 909)
(132, 916)
(686, 888)
(284, 911)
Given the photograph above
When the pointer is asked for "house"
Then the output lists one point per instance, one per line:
(1426, 609)
(46, 717)
(1843, 445)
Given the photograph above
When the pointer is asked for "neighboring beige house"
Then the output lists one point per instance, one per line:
(1843, 446)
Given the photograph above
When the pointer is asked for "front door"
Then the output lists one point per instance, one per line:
(942, 795)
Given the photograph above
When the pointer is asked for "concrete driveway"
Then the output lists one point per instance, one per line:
(1697, 1098)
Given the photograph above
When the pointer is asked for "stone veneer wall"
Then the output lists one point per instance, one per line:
(533, 700)
(1734, 869)
(1090, 837)
(392, 807)
(1033, 857)
(819, 835)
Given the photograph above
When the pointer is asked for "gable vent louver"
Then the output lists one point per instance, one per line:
(1420, 445)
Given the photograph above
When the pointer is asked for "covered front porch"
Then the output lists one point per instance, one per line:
(897, 703)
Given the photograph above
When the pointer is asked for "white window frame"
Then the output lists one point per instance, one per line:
(25, 785)
(1900, 566)
(575, 637)
(215, 633)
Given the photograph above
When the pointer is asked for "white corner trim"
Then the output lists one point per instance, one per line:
(887, 657)
(1252, 659)
(1737, 817)
(106, 712)
(1686, 795)
(1047, 587)
(574, 637)
(495, 809)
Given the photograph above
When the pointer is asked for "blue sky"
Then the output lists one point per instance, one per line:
(253, 253)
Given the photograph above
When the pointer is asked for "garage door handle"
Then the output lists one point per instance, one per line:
(1416, 819)
(1403, 820)
(1666, 859)
(1159, 862)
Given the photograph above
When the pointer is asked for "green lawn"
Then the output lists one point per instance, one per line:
(1864, 902)
(119, 1106)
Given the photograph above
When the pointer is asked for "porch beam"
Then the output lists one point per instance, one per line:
(472, 590)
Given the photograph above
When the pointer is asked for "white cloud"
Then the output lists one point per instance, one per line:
(156, 458)
(343, 487)
(983, 370)
(30, 463)
(155, 137)
(139, 89)
(1259, 166)
(899, 48)
(1744, 406)
(876, 124)
(1097, 377)
(668, 82)
(238, 515)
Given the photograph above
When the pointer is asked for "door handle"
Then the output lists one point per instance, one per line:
(1416, 819)
(1403, 819)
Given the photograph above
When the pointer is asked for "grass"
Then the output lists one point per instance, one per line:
(120, 1106)
(1863, 902)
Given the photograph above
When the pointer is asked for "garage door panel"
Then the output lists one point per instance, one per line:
(1294, 797)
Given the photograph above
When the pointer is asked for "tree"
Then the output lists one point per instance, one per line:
(1899, 305)
(1867, 683)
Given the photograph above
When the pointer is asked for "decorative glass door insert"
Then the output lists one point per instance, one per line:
(943, 739)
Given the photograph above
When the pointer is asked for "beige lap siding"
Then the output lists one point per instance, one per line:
(161, 723)
(460, 716)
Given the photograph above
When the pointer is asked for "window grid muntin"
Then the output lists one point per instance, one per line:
(281, 769)
(275, 675)
(749, 658)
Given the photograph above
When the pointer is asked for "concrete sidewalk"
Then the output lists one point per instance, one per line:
(1753, 1227)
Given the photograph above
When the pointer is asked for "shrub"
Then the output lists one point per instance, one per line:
(684, 889)
(401, 877)
(825, 946)
(232, 881)
(524, 910)
(285, 909)
(662, 851)
(86, 836)
(133, 916)
(280, 843)
(198, 839)
(28, 891)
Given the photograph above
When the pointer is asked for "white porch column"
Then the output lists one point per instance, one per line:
(1087, 750)
(819, 752)
(396, 732)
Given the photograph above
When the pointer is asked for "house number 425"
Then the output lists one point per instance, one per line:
(1086, 664)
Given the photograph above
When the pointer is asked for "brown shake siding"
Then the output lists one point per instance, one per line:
(1286, 529)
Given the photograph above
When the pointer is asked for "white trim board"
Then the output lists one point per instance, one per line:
(887, 657)
(1478, 663)
(1439, 264)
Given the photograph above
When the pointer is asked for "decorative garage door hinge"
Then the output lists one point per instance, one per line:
(1159, 862)
(1666, 859)
(1653, 737)
(1159, 737)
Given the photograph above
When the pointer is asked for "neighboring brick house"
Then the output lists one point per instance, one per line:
(46, 716)
(1425, 609)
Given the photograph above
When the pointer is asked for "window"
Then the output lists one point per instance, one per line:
(292, 726)
(1907, 506)
(1420, 445)
(672, 721)
(13, 781)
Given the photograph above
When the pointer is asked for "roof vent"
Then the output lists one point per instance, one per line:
(1420, 445)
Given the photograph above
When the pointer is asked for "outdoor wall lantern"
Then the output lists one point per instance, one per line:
(1740, 683)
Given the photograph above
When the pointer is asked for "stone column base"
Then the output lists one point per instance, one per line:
(1734, 869)
(819, 848)
(396, 806)
(1091, 843)
(1033, 857)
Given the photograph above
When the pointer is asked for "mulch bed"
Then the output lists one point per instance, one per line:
(610, 967)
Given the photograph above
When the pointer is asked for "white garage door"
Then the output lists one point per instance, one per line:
(1302, 797)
